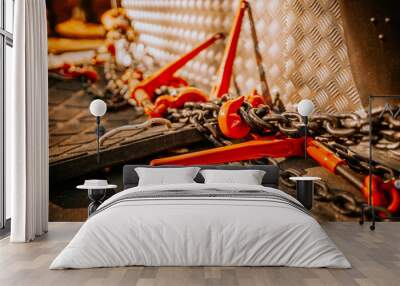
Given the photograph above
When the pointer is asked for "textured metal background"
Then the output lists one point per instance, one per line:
(301, 41)
(375, 25)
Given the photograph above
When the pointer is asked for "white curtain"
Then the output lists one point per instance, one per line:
(27, 124)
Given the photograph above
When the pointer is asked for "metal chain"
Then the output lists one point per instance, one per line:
(203, 116)
(337, 131)
(344, 203)
(344, 129)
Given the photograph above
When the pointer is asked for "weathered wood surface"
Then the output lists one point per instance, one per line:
(375, 258)
(73, 140)
(122, 150)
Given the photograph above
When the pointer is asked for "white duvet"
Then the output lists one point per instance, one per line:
(200, 231)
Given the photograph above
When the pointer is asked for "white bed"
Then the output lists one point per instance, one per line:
(185, 230)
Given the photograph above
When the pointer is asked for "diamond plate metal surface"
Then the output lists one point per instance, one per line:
(301, 41)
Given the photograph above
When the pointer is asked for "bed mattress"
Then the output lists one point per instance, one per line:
(201, 225)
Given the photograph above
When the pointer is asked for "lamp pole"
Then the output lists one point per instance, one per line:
(305, 120)
(98, 138)
(305, 108)
(98, 108)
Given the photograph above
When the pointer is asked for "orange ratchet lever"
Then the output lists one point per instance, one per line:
(249, 150)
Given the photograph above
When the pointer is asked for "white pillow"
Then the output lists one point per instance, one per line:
(248, 177)
(166, 176)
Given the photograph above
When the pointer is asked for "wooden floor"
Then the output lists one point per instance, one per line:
(375, 257)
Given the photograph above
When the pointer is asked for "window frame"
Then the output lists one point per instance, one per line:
(6, 39)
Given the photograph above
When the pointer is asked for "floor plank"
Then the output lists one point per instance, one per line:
(375, 257)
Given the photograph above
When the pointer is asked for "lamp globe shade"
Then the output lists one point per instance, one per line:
(305, 107)
(98, 107)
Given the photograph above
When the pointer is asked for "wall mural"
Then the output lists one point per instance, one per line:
(213, 82)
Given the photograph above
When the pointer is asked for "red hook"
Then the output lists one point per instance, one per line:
(230, 122)
(383, 193)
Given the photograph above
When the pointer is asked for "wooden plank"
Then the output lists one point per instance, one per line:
(78, 166)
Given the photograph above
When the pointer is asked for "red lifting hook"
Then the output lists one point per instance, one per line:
(230, 122)
(383, 193)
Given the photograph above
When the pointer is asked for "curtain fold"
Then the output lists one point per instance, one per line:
(27, 124)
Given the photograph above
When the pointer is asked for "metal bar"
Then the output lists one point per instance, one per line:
(98, 138)
(305, 119)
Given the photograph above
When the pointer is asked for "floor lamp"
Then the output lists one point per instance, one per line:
(98, 108)
(305, 107)
(370, 202)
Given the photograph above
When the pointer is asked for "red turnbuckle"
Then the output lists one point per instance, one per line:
(384, 194)
(250, 150)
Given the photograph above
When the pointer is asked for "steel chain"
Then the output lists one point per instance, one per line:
(339, 132)
(346, 129)
(344, 203)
